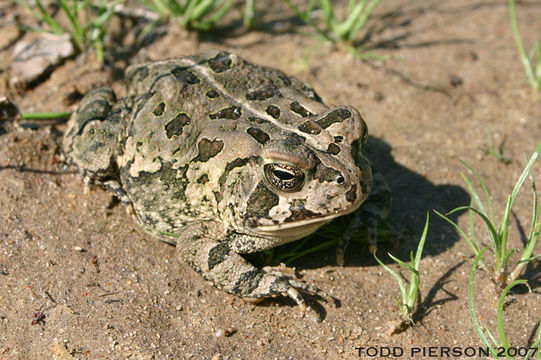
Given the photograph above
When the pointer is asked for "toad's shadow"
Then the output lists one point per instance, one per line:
(413, 197)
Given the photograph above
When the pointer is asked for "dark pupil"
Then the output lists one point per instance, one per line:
(283, 175)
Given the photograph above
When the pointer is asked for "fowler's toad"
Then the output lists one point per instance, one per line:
(223, 157)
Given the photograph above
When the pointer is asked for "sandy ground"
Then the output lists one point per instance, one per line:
(450, 77)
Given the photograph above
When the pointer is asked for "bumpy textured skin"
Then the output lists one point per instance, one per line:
(223, 157)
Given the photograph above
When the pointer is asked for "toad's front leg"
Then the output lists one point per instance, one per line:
(205, 247)
(374, 210)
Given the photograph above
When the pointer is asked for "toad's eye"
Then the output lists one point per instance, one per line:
(284, 177)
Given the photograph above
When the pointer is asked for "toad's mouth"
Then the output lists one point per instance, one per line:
(291, 231)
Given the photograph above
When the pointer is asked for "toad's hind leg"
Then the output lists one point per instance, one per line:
(92, 135)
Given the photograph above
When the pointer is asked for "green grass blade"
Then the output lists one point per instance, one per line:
(328, 13)
(476, 324)
(415, 278)
(499, 321)
(397, 277)
(538, 66)
(80, 6)
(169, 233)
(493, 235)
(504, 226)
(402, 263)
(76, 29)
(473, 245)
(106, 14)
(472, 231)
(535, 257)
(202, 8)
(173, 7)
(420, 247)
(474, 193)
(343, 30)
(351, 5)
(185, 14)
(248, 19)
(305, 16)
(520, 47)
(535, 227)
(505, 260)
(43, 15)
(492, 337)
(45, 115)
(157, 6)
(361, 22)
(218, 15)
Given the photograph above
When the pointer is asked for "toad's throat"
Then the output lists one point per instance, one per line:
(290, 231)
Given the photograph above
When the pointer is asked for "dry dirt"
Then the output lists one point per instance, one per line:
(450, 76)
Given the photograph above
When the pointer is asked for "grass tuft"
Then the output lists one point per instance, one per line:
(408, 296)
(87, 22)
(495, 347)
(498, 234)
(200, 15)
(337, 29)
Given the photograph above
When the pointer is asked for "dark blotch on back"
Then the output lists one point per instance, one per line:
(221, 62)
(336, 115)
(299, 109)
(159, 109)
(259, 135)
(262, 94)
(208, 149)
(212, 94)
(233, 113)
(261, 201)
(273, 111)
(309, 127)
(333, 149)
(175, 126)
(185, 75)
